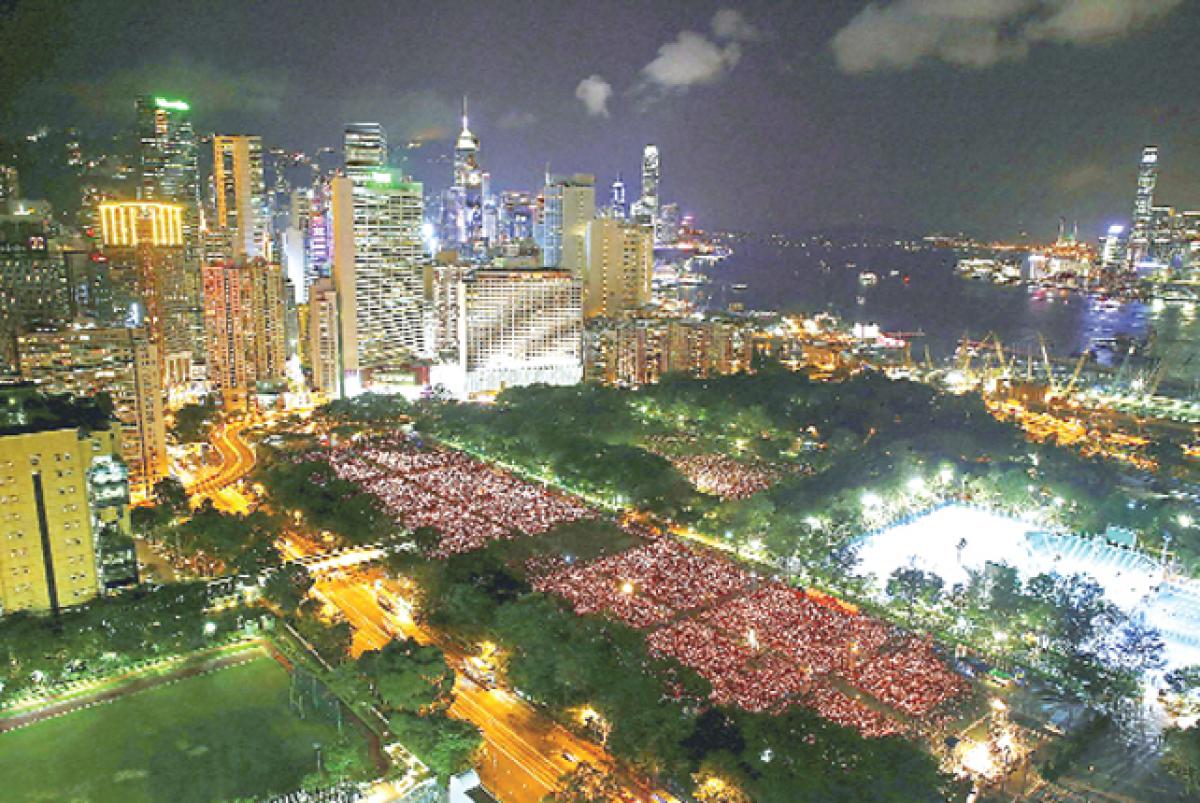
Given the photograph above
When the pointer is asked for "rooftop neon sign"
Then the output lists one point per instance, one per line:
(174, 105)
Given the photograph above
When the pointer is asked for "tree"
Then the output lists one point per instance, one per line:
(170, 494)
(586, 784)
(911, 585)
(287, 587)
(447, 746)
(193, 422)
(406, 676)
(1182, 756)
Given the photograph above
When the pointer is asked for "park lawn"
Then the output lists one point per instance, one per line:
(221, 736)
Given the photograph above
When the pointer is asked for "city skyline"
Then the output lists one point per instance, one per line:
(1039, 114)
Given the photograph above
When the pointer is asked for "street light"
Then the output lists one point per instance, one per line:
(916, 485)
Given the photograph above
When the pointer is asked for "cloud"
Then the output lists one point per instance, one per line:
(594, 91)
(693, 58)
(902, 34)
(728, 23)
(1088, 21)
(514, 120)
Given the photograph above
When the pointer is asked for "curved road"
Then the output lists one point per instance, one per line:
(237, 460)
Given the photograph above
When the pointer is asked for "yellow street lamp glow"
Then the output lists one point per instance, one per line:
(627, 587)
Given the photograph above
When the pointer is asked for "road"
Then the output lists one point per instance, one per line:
(525, 751)
(237, 460)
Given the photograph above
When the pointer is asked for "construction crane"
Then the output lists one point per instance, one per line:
(1075, 375)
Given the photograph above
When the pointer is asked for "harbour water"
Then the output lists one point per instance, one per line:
(919, 291)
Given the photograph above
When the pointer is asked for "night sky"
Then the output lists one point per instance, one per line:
(991, 116)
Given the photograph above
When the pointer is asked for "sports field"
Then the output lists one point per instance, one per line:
(222, 736)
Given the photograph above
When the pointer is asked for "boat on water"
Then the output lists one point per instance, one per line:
(739, 287)
(868, 279)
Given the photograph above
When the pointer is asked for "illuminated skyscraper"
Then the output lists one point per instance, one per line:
(241, 201)
(617, 199)
(167, 158)
(365, 148)
(378, 258)
(645, 210)
(1141, 232)
(570, 205)
(463, 204)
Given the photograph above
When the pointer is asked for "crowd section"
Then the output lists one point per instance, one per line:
(647, 585)
(723, 476)
(467, 501)
(764, 646)
(761, 645)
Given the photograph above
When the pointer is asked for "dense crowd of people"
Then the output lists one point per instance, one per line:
(648, 584)
(764, 646)
(761, 645)
(468, 502)
(722, 476)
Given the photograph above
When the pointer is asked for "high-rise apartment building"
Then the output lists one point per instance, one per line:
(620, 266)
(64, 503)
(570, 205)
(240, 205)
(323, 348)
(244, 318)
(123, 363)
(515, 328)
(35, 288)
(378, 258)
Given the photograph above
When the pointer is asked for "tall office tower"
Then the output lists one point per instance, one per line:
(10, 185)
(515, 328)
(365, 149)
(244, 319)
(145, 239)
(168, 159)
(241, 200)
(34, 284)
(617, 199)
(324, 354)
(124, 363)
(462, 223)
(1141, 232)
(378, 257)
(1114, 250)
(318, 249)
(570, 204)
(516, 216)
(620, 265)
(645, 210)
(294, 242)
(65, 507)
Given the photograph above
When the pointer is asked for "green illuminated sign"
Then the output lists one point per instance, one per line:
(174, 105)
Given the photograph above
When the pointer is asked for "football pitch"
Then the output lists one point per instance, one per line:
(224, 736)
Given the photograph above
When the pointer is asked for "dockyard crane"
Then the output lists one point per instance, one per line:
(1049, 368)
(1075, 375)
